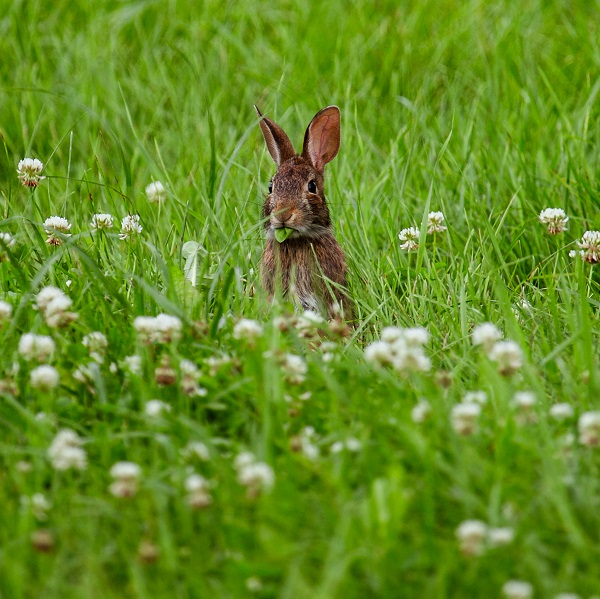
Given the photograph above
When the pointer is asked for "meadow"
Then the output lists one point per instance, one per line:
(166, 431)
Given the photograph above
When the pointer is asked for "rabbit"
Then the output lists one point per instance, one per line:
(309, 265)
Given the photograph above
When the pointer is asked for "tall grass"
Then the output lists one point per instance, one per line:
(487, 111)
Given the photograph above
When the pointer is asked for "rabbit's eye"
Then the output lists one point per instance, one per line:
(312, 186)
(270, 186)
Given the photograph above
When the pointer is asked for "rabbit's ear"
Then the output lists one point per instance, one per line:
(322, 138)
(279, 144)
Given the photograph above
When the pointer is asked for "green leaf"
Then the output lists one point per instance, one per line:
(282, 234)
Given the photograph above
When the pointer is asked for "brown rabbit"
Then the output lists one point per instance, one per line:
(309, 265)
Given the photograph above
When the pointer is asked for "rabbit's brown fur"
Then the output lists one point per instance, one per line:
(310, 264)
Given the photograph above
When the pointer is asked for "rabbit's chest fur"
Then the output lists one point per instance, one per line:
(297, 267)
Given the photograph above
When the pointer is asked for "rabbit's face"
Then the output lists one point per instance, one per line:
(297, 201)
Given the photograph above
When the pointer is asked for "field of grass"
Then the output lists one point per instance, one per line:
(365, 479)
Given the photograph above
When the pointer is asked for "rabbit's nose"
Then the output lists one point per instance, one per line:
(284, 214)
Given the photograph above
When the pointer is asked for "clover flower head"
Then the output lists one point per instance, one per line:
(5, 311)
(508, 355)
(155, 408)
(479, 397)
(517, 589)
(471, 535)
(198, 489)
(7, 242)
(555, 219)
(562, 411)
(435, 222)
(409, 238)
(65, 451)
(29, 171)
(130, 226)
(421, 411)
(45, 377)
(101, 221)
(503, 535)
(589, 428)
(155, 192)
(590, 247)
(486, 335)
(126, 478)
(54, 225)
(247, 329)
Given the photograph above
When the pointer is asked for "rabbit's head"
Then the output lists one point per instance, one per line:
(296, 197)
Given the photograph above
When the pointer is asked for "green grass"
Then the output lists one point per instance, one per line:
(487, 111)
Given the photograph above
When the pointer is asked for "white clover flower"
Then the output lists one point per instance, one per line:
(562, 411)
(96, 343)
(309, 323)
(409, 238)
(517, 589)
(421, 411)
(486, 335)
(56, 224)
(524, 400)
(29, 171)
(247, 329)
(65, 451)
(130, 226)
(508, 355)
(47, 295)
(257, 477)
(391, 334)
(295, 369)
(54, 305)
(243, 459)
(464, 418)
(156, 408)
(44, 378)
(85, 373)
(402, 348)
(57, 313)
(589, 428)
(479, 397)
(36, 347)
(498, 537)
(379, 352)
(196, 449)
(163, 328)
(7, 242)
(353, 444)
(337, 447)
(189, 368)
(590, 247)
(254, 584)
(215, 363)
(555, 219)
(155, 192)
(434, 222)
(133, 364)
(126, 478)
(5, 311)
(40, 506)
(306, 445)
(407, 351)
(189, 379)
(198, 489)
(101, 221)
(471, 535)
